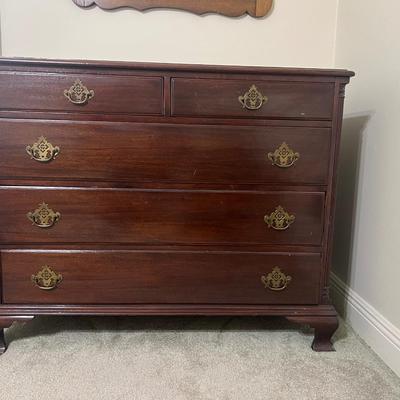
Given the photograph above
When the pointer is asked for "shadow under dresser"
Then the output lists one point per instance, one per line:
(161, 189)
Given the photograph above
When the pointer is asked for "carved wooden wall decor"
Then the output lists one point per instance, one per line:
(230, 8)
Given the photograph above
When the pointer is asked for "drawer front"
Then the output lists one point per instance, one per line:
(163, 153)
(159, 277)
(107, 94)
(157, 217)
(249, 99)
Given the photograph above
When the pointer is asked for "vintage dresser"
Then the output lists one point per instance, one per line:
(156, 189)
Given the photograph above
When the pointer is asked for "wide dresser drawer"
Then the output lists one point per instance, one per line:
(78, 215)
(252, 99)
(163, 153)
(81, 93)
(128, 277)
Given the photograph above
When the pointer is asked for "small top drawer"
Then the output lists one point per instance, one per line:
(249, 99)
(81, 93)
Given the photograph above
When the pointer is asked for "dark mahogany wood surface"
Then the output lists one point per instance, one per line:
(164, 153)
(212, 97)
(112, 93)
(160, 277)
(304, 310)
(156, 217)
(36, 64)
(162, 183)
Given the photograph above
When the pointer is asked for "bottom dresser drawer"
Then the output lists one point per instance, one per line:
(151, 277)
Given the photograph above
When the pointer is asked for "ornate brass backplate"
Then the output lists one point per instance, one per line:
(231, 8)
(279, 219)
(43, 216)
(78, 93)
(46, 278)
(276, 280)
(43, 150)
(253, 99)
(283, 156)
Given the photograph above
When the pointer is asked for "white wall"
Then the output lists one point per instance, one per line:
(367, 249)
(296, 33)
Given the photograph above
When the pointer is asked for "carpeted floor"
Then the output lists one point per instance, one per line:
(54, 358)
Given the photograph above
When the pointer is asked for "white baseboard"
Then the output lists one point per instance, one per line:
(379, 333)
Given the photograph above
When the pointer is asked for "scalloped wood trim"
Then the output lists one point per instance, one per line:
(230, 8)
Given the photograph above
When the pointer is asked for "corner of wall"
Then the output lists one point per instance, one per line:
(378, 332)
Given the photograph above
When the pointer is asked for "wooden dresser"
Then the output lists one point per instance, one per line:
(156, 189)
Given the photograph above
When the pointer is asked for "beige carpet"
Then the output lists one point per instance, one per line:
(144, 358)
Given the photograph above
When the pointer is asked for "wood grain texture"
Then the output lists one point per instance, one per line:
(318, 311)
(231, 8)
(112, 94)
(134, 153)
(160, 216)
(163, 183)
(90, 277)
(220, 97)
(199, 70)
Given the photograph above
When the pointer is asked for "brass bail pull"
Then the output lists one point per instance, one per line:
(78, 93)
(279, 220)
(43, 216)
(276, 280)
(284, 156)
(253, 99)
(42, 150)
(46, 278)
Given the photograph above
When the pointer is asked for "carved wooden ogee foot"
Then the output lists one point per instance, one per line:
(6, 322)
(324, 328)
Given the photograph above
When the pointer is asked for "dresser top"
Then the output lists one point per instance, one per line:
(36, 62)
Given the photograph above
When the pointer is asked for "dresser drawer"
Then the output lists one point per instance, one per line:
(163, 153)
(159, 216)
(252, 99)
(159, 277)
(81, 93)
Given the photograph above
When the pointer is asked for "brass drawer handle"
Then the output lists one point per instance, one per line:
(43, 216)
(283, 156)
(43, 150)
(46, 278)
(253, 99)
(78, 93)
(276, 280)
(279, 219)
